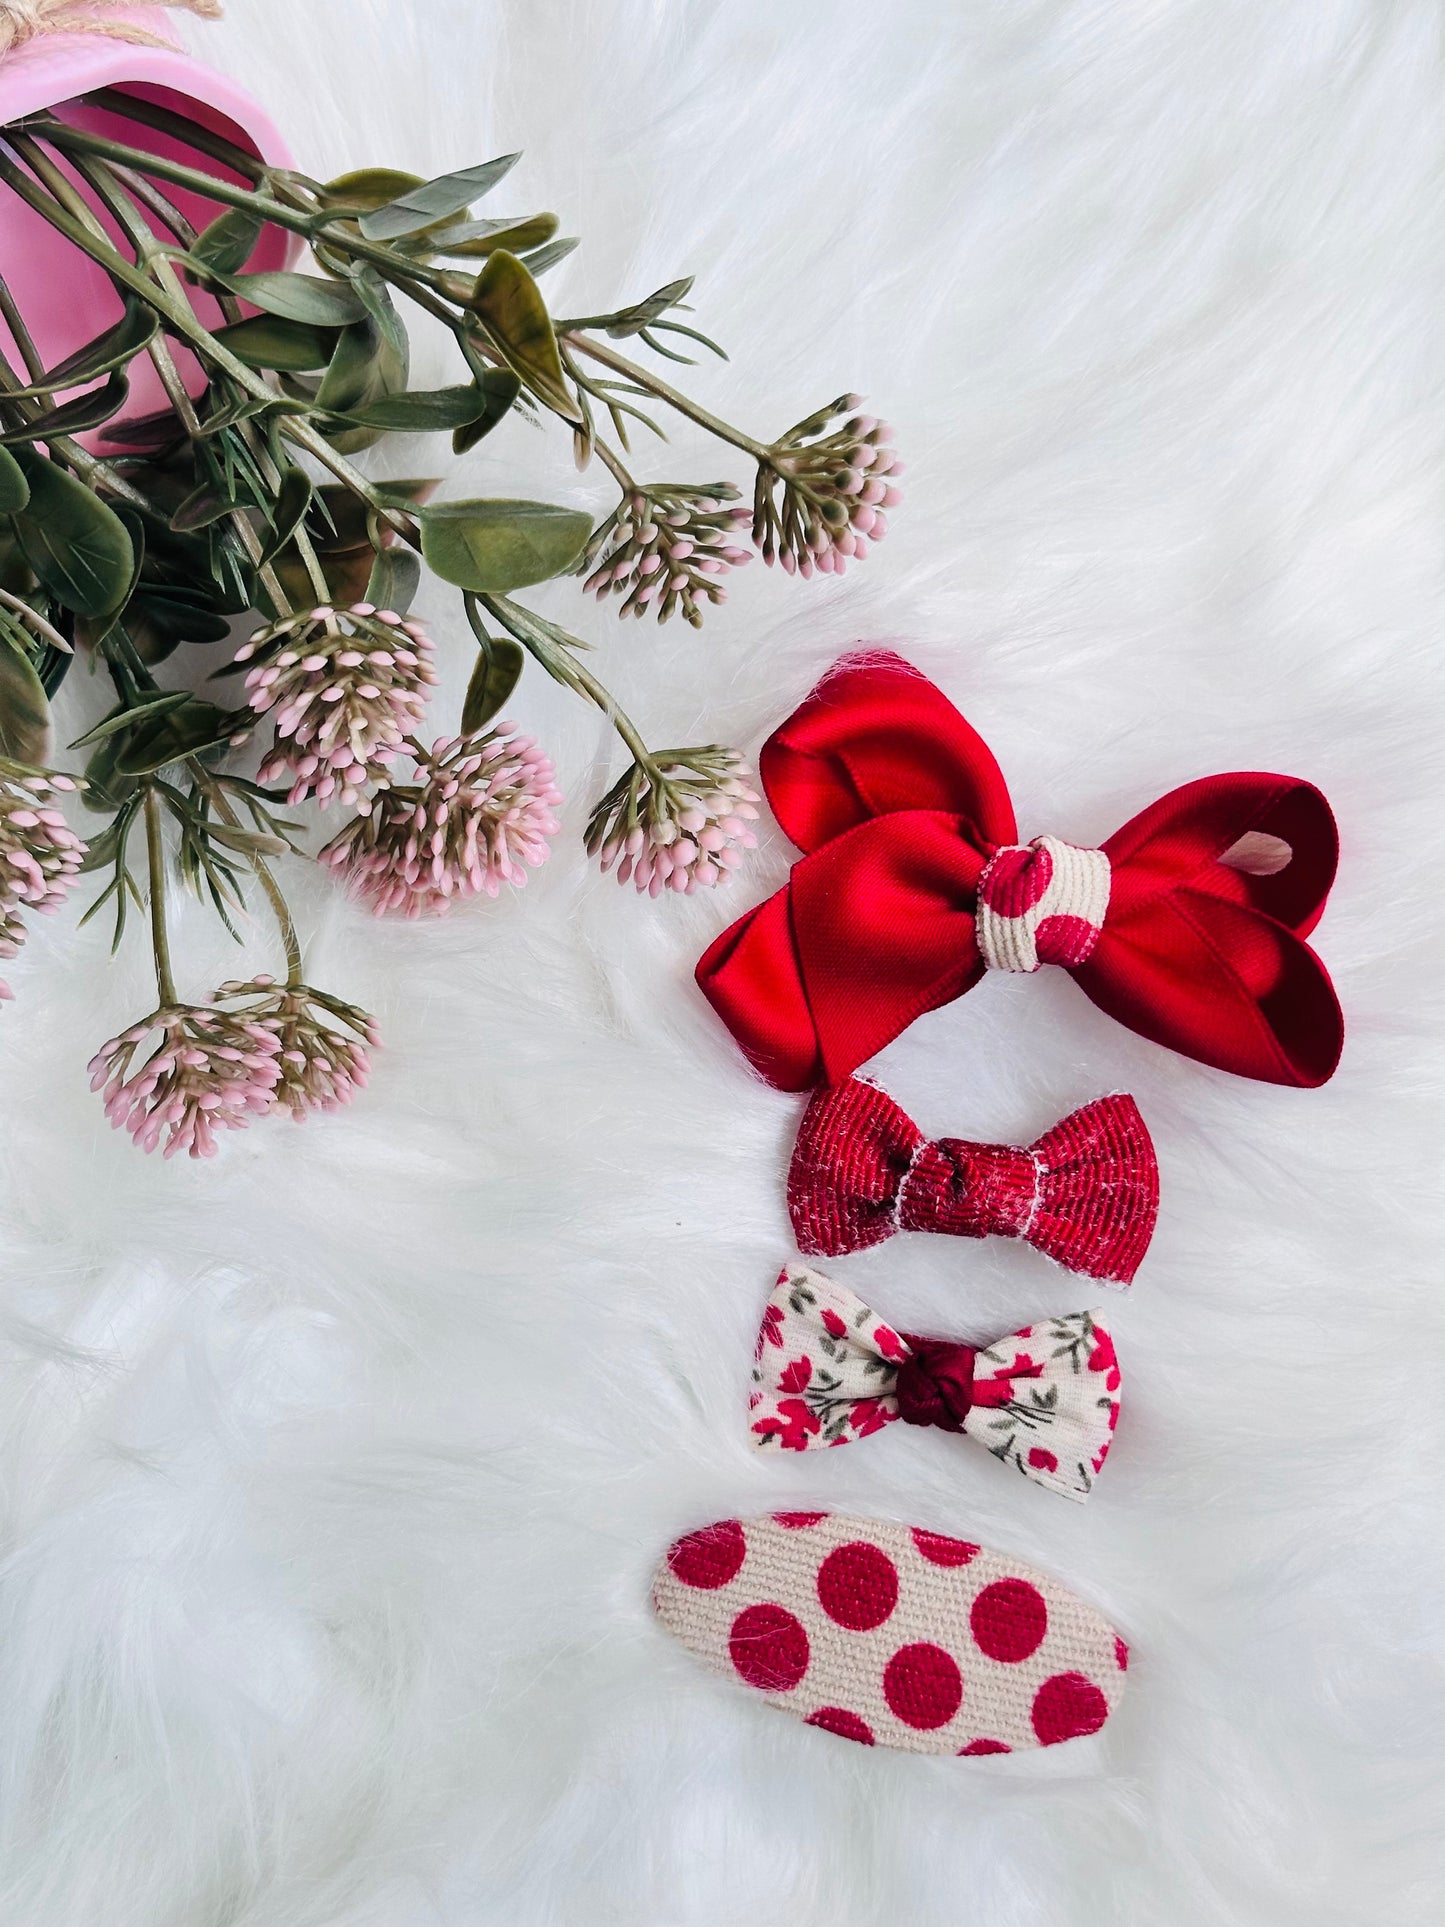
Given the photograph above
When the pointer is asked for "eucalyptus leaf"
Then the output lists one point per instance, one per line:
(269, 341)
(543, 258)
(113, 349)
(104, 788)
(14, 489)
(123, 718)
(500, 387)
(76, 545)
(24, 709)
(509, 305)
(499, 546)
(229, 242)
(205, 504)
(367, 188)
(422, 410)
(297, 297)
(435, 200)
(499, 664)
(73, 417)
(478, 238)
(394, 579)
(293, 498)
(192, 726)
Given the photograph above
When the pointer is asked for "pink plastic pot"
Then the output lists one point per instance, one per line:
(65, 297)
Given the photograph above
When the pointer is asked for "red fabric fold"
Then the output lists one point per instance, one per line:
(898, 804)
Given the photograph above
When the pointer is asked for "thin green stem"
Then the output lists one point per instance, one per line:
(149, 114)
(280, 909)
(91, 468)
(20, 334)
(156, 864)
(585, 344)
(548, 645)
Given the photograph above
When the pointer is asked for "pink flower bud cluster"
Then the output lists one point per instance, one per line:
(835, 488)
(665, 549)
(319, 1067)
(477, 813)
(40, 855)
(344, 688)
(208, 1072)
(683, 835)
(214, 1069)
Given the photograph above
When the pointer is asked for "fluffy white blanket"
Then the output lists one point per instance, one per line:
(333, 1471)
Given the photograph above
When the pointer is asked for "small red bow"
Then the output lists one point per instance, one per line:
(1085, 1194)
(1188, 926)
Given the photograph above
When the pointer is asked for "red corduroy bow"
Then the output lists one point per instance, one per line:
(1086, 1193)
(1188, 926)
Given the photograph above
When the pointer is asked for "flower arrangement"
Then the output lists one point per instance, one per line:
(141, 540)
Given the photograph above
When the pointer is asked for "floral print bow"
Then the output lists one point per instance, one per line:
(828, 1370)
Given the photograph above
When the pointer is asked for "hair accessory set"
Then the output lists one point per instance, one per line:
(1189, 927)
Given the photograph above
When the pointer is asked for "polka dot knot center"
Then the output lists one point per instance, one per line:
(1041, 902)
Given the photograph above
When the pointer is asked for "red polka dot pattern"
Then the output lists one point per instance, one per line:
(769, 1647)
(709, 1558)
(1066, 1707)
(940, 1551)
(858, 1586)
(923, 1685)
(1041, 902)
(837, 1719)
(888, 1635)
(1015, 880)
(796, 1520)
(1009, 1620)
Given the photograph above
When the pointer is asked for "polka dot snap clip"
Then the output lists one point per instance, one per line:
(892, 1636)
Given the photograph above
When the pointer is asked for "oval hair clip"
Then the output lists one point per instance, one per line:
(890, 1635)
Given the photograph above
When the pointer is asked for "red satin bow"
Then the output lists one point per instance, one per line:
(1085, 1194)
(898, 806)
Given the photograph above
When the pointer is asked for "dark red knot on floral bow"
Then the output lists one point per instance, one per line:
(1188, 925)
(1085, 1194)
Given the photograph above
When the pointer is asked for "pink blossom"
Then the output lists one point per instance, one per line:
(40, 855)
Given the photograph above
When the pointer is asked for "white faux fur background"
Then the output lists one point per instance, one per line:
(333, 1471)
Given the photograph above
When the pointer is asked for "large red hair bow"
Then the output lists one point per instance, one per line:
(1189, 926)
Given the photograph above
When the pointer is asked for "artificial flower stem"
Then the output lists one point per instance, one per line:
(221, 804)
(189, 132)
(619, 364)
(563, 667)
(91, 468)
(20, 335)
(155, 863)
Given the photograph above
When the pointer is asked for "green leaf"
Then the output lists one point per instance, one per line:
(499, 664)
(75, 544)
(268, 341)
(293, 498)
(435, 200)
(631, 321)
(205, 504)
(14, 489)
(123, 718)
(118, 345)
(477, 238)
(366, 188)
(422, 410)
(229, 242)
(24, 709)
(297, 297)
(548, 257)
(190, 727)
(73, 417)
(509, 305)
(500, 388)
(499, 546)
(395, 577)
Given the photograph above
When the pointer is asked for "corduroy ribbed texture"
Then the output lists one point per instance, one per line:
(1085, 1194)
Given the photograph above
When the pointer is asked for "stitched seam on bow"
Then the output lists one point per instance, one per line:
(1038, 1164)
(896, 1210)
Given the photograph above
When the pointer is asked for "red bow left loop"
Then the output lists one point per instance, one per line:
(1198, 941)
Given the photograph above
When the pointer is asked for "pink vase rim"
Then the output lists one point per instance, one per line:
(57, 67)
